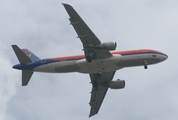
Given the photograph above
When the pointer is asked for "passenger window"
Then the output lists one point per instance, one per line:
(153, 55)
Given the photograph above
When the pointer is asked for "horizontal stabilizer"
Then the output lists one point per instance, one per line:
(26, 75)
(22, 57)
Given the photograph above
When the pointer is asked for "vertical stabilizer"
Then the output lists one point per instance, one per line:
(26, 75)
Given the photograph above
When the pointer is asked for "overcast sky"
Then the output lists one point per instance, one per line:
(43, 27)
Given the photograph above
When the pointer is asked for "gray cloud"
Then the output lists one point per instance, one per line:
(7, 86)
(43, 28)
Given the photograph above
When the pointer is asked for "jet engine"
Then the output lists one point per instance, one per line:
(108, 45)
(118, 84)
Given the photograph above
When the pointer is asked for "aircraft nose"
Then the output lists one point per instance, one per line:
(164, 57)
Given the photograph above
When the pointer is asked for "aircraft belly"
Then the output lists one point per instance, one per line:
(137, 60)
(58, 67)
(99, 65)
(42, 68)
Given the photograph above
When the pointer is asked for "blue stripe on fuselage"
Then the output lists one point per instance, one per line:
(39, 63)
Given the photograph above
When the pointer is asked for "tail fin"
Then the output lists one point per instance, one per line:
(32, 56)
(23, 59)
(26, 75)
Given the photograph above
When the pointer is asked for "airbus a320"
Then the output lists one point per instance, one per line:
(98, 61)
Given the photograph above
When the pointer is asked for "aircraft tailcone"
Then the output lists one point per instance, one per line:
(18, 66)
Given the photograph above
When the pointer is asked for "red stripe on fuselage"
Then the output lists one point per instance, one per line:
(68, 57)
(115, 52)
(136, 51)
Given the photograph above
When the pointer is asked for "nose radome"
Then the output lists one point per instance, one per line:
(164, 57)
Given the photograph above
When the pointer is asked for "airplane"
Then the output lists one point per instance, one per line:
(99, 61)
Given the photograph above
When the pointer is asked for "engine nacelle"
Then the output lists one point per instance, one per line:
(108, 45)
(118, 84)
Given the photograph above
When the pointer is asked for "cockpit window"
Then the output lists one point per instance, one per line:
(153, 55)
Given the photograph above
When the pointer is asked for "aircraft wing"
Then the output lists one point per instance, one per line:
(100, 82)
(88, 38)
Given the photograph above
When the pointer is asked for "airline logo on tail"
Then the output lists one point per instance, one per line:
(29, 55)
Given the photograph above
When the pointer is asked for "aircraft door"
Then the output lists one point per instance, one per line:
(43, 61)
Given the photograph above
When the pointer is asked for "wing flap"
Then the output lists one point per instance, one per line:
(100, 83)
(97, 98)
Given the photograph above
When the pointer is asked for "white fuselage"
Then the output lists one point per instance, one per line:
(112, 63)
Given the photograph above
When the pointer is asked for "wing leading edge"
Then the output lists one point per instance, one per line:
(84, 32)
(86, 35)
